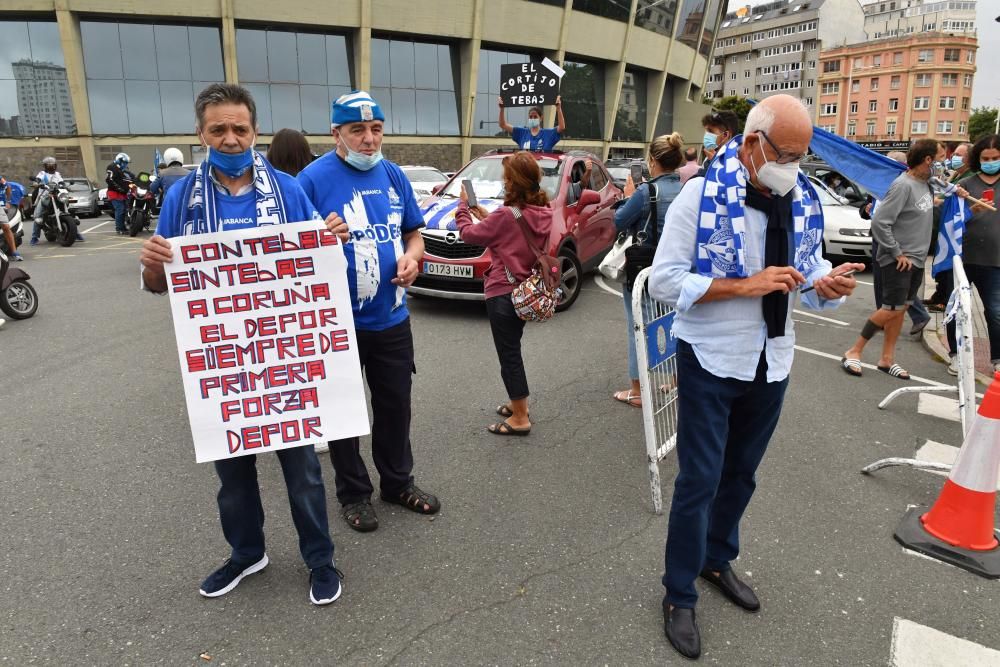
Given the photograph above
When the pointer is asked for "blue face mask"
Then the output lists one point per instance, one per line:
(232, 165)
(534, 122)
(360, 160)
(709, 141)
(990, 168)
(956, 161)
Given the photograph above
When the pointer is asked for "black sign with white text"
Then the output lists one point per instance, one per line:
(528, 85)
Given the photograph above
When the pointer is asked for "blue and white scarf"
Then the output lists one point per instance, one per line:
(199, 194)
(722, 227)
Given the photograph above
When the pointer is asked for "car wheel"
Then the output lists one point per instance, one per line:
(572, 279)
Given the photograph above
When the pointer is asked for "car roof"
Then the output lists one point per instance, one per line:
(554, 155)
(404, 167)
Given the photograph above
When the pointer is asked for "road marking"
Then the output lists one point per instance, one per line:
(827, 355)
(600, 283)
(916, 645)
(96, 226)
(938, 406)
(820, 317)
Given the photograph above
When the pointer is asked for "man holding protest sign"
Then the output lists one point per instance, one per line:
(383, 255)
(235, 188)
(532, 84)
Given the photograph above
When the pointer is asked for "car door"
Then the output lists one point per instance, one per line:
(601, 225)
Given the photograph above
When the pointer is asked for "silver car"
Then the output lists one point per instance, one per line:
(82, 197)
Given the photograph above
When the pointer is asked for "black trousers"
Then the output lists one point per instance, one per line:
(507, 328)
(387, 362)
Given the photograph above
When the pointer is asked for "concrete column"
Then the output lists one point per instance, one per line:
(659, 83)
(363, 48)
(558, 57)
(229, 41)
(613, 79)
(469, 54)
(72, 46)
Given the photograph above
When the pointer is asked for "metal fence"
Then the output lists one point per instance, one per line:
(656, 348)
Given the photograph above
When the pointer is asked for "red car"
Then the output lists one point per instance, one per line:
(583, 225)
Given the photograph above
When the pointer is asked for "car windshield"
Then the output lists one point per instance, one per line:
(486, 174)
(620, 173)
(425, 175)
(78, 186)
(825, 198)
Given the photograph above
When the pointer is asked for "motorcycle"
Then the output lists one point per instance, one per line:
(16, 227)
(18, 299)
(57, 223)
(140, 205)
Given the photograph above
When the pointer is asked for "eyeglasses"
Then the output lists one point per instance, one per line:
(783, 158)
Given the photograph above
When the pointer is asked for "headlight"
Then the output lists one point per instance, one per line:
(867, 233)
(63, 196)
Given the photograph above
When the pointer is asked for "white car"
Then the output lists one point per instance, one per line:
(845, 232)
(423, 180)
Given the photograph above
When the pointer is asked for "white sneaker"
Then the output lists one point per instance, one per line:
(2, 322)
(322, 447)
(953, 366)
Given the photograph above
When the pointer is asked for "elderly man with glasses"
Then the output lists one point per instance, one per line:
(739, 243)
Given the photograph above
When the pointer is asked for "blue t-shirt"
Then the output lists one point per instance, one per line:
(545, 141)
(238, 212)
(379, 208)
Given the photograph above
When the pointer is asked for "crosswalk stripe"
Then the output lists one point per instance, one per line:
(938, 406)
(915, 645)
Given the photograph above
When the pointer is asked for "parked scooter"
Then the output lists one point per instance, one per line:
(140, 205)
(18, 298)
(57, 223)
(16, 227)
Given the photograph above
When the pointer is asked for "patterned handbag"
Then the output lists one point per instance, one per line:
(535, 298)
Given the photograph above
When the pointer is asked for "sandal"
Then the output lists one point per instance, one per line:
(627, 397)
(851, 366)
(504, 411)
(895, 371)
(413, 499)
(360, 516)
(503, 428)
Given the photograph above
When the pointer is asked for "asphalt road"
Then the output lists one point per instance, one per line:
(546, 550)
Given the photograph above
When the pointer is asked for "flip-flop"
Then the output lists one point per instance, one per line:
(895, 371)
(851, 366)
(629, 398)
(503, 428)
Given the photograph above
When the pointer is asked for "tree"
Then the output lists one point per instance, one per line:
(982, 122)
(737, 105)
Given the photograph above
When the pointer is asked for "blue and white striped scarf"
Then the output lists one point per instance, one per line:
(199, 194)
(722, 227)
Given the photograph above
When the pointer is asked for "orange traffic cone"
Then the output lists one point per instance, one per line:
(958, 529)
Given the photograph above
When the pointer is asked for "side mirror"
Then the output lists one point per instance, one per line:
(588, 198)
(437, 188)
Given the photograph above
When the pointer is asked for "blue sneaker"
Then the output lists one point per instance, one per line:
(79, 237)
(229, 576)
(324, 584)
(34, 240)
(17, 257)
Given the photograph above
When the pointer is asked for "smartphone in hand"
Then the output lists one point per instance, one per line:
(470, 194)
(636, 170)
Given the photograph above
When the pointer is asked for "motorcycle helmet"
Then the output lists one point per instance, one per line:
(173, 155)
(49, 164)
(122, 160)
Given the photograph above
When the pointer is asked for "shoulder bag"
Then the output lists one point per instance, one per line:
(535, 298)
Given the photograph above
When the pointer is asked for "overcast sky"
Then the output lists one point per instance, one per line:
(986, 85)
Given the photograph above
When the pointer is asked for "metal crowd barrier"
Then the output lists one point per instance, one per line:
(959, 307)
(656, 349)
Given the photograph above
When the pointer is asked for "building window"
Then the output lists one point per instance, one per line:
(963, 127)
(488, 91)
(582, 98)
(717, 61)
(749, 57)
(952, 55)
(831, 66)
(967, 80)
(294, 77)
(897, 58)
(812, 64)
(809, 101)
(855, 86)
(870, 128)
(859, 63)
(970, 56)
(894, 83)
(925, 56)
(829, 128)
(659, 18)
(921, 103)
(418, 79)
(830, 88)
(965, 104)
(829, 110)
(33, 86)
(733, 60)
(949, 80)
(890, 127)
(873, 105)
(746, 91)
(944, 127)
(874, 83)
(923, 80)
(142, 78)
(609, 10)
(852, 129)
(732, 76)
(854, 107)
(876, 61)
(894, 104)
(810, 83)
(746, 74)
(946, 103)
(918, 127)
(630, 121)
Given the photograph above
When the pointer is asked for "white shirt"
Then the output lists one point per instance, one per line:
(45, 177)
(727, 335)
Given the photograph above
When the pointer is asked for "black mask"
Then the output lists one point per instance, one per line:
(50, 168)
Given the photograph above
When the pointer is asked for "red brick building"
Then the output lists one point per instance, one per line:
(898, 89)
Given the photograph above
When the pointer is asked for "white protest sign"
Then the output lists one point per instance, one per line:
(266, 339)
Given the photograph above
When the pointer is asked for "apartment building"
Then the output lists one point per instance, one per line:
(899, 18)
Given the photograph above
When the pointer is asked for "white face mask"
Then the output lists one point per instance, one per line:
(778, 178)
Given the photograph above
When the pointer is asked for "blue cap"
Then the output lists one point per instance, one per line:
(356, 106)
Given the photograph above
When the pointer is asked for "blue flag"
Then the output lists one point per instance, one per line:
(954, 215)
(157, 159)
(872, 171)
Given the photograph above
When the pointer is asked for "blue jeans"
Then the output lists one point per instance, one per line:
(723, 428)
(119, 206)
(242, 514)
(987, 282)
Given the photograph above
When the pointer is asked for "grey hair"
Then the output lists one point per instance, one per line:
(898, 156)
(224, 93)
(760, 119)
